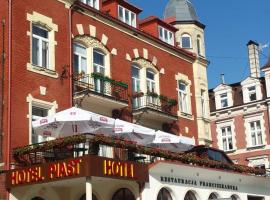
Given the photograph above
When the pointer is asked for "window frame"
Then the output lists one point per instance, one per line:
(35, 18)
(224, 98)
(132, 17)
(255, 132)
(251, 92)
(50, 106)
(80, 56)
(164, 31)
(182, 97)
(186, 35)
(199, 45)
(227, 136)
(91, 3)
(40, 45)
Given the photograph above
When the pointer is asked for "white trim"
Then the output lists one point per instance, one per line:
(51, 106)
(47, 23)
(128, 21)
(162, 32)
(223, 124)
(247, 121)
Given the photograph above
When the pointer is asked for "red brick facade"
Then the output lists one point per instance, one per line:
(23, 82)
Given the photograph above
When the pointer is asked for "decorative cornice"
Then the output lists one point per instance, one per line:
(91, 42)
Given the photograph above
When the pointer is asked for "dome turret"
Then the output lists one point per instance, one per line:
(180, 10)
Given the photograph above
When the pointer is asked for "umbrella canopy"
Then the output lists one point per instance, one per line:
(172, 142)
(165, 138)
(71, 122)
(134, 132)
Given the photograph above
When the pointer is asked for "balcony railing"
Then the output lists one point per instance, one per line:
(101, 85)
(100, 145)
(156, 102)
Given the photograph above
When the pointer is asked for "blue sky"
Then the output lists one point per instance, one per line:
(230, 24)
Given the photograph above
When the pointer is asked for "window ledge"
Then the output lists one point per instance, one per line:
(256, 147)
(42, 70)
(230, 151)
(185, 115)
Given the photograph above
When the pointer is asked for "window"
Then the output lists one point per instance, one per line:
(38, 112)
(92, 3)
(190, 196)
(135, 70)
(166, 35)
(226, 134)
(199, 46)
(123, 194)
(99, 67)
(203, 103)
(79, 59)
(252, 93)
(186, 41)
(40, 46)
(224, 100)
(256, 133)
(150, 81)
(164, 194)
(126, 16)
(182, 97)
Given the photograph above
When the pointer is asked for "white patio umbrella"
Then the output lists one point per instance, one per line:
(134, 132)
(71, 122)
(171, 142)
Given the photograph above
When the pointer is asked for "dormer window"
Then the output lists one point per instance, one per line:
(126, 16)
(252, 93)
(224, 100)
(92, 3)
(166, 35)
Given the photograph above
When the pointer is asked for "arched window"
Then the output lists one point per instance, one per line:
(212, 196)
(83, 197)
(79, 59)
(37, 198)
(190, 196)
(123, 194)
(199, 45)
(164, 194)
(186, 41)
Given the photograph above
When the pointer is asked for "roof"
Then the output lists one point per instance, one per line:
(182, 10)
(237, 94)
(159, 21)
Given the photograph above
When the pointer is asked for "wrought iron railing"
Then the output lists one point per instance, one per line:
(156, 102)
(101, 85)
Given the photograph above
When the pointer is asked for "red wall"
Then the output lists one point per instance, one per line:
(25, 82)
(240, 137)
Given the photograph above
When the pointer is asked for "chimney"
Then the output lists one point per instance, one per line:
(254, 62)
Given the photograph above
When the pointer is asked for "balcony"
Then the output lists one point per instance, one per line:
(99, 93)
(78, 146)
(154, 109)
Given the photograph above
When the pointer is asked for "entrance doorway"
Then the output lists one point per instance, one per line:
(123, 194)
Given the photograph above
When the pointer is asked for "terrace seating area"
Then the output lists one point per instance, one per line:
(118, 149)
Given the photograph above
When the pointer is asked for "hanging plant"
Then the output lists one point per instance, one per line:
(137, 94)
